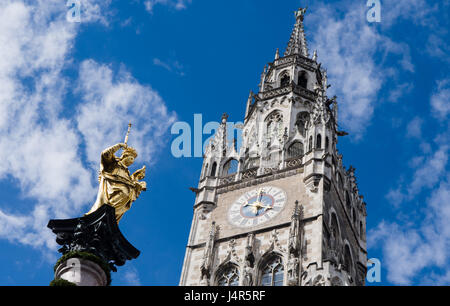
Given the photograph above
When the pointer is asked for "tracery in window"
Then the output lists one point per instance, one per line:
(273, 272)
(274, 127)
(230, 167)
(229, 276)
(348, 259)
(285, 80)
(303, 79)
(295, 150)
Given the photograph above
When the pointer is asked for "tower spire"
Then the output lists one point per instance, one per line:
(297, 43)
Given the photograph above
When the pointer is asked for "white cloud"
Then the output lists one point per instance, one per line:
(111, 102)
(131, 277)
(171, 66)
(408, 249)
(411, 246)
(349, 48)
(40, 147)
(428, 172)
(400, 91)
(414, 128)
(440, 101)
(438, 47)
(177, 4)
(418, 11)
(37, 146)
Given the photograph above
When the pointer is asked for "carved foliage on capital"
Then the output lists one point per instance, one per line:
(275, 243)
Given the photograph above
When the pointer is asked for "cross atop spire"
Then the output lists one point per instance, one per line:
(297, 43)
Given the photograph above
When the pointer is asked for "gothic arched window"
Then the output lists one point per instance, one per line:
(310, 144)
(327, 143)
(205, 171)
(348, 259)
(295, 150)
(302, 120)
(229, 276)
(285, 80)
(230, 167)
(339, 181)
(334, 227)
(273, 272)
(214, 169)
(348, 200)
(319, 142)
(302, 79)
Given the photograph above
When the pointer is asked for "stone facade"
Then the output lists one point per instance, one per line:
(290, 133)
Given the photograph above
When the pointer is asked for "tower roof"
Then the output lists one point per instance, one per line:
(297, 43)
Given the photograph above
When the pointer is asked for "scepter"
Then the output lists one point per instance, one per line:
(128, 133)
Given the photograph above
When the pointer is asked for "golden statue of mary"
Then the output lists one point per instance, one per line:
(117, 187)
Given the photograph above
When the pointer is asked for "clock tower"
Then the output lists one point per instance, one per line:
(282, 210)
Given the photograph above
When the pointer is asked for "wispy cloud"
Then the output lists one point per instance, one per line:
(440, 101)
(408, 248)
(176, 4)
(350, 51)
(414, 244)
(110, 102)
(131, 277)
(414, 128)
(400, 91)
(171, 66)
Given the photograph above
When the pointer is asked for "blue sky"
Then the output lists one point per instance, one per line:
(68, 90)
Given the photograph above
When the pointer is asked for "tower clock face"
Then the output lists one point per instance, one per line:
(257, 206)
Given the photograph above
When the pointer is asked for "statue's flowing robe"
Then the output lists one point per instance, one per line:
(116, 186)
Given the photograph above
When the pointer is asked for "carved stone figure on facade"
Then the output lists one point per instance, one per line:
(248, 276)
(319, 281)
(249, 250)
(295, 231)
(208, 256)
(293, 271)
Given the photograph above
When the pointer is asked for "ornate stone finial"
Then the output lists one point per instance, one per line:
(224, 117)
(296, 213)
(300, 13)
(277, 54)
(314, 56)
(297, 43)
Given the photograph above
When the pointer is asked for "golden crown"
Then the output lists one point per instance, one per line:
(129, 151)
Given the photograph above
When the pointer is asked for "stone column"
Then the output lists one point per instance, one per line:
(81, 272)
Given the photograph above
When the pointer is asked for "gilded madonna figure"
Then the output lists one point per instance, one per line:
(117, 187)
